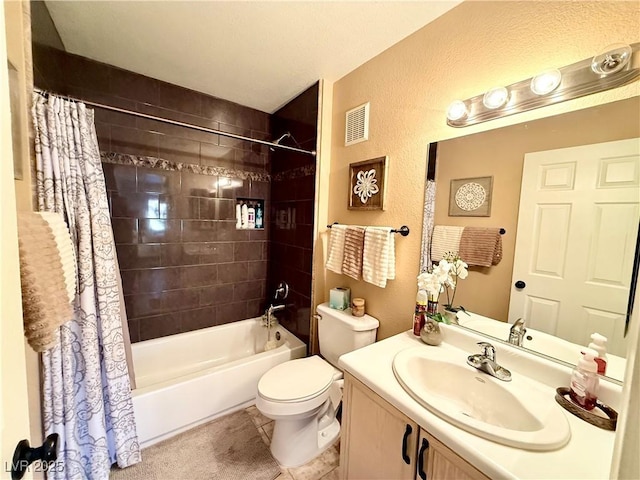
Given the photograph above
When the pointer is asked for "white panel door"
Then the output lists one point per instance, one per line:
(577, 228)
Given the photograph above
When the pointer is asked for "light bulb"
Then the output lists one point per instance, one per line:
(457, 110)
(613, 59)
(546, 82)
(495, 98)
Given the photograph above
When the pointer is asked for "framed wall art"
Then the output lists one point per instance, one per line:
(470, 197)
(367, 182)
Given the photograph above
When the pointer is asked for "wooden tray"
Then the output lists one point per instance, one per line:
(608, 423)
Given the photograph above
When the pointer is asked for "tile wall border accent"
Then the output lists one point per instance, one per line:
(162, 164)
(298, 172)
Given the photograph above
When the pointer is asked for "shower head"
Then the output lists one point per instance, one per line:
(282, 137)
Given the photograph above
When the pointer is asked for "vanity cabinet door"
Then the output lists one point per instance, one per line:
(437, 462)
(378, 442)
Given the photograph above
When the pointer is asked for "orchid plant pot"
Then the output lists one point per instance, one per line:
(451, 314)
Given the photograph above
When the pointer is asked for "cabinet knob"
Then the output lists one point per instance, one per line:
(405, 440)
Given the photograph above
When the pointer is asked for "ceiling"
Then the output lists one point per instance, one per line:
(259, 54)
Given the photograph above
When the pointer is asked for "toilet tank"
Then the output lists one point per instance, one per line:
(340, 332)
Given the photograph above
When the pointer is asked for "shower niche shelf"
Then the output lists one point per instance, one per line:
(246, 208)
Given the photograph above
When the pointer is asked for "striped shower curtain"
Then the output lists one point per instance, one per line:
(86, 387)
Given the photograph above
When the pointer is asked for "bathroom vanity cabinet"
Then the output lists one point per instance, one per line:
(380, 442)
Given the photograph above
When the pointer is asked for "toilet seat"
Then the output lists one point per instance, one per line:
(297, 380)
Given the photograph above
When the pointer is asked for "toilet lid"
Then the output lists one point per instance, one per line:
(296, 379)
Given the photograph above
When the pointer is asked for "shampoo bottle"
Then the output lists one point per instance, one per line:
(259, 216)
(251, 216)
(420, 312)
(583, 389)
(245, 215)
(599, 344)
(238, 215)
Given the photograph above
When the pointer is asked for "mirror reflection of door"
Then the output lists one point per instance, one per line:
(577, 229)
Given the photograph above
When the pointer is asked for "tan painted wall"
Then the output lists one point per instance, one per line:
(500, 153)
(473, 47)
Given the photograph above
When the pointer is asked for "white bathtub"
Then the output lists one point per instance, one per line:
(187, 379)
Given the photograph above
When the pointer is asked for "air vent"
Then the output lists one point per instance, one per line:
(357, 125)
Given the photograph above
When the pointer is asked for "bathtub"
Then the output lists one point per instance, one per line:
(187, 379)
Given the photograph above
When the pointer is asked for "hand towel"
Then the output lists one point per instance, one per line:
(353, 246)
(67, 253)
(481, 246)
(378, 256)
(44, 294)
(335, 250)
(444, 239)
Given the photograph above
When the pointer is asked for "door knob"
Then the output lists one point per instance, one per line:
(520, 284)
(24, 455)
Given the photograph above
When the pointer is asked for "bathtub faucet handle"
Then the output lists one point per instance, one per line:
(282, 291)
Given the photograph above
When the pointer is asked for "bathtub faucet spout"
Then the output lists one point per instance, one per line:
(269, 322)
(267, 319)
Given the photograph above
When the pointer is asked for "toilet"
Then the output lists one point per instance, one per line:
(303, 395)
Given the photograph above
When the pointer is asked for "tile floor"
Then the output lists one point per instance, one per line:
(324, 467)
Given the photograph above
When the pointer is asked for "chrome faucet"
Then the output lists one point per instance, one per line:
(517, 332)
(486, 362)
(267, 318)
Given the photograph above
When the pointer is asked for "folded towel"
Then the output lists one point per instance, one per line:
(335, 250)
(67, 253)
(481, 246)
(44, 294)
(444, 239)
(378, 256)
(353, 246)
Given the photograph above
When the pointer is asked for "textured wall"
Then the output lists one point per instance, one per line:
(473, 47)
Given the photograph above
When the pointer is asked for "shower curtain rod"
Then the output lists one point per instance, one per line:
(178, 123)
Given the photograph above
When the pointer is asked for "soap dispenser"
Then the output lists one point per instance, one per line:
(598, 343)
(584, 380)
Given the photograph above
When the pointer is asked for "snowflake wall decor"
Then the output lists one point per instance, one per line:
(470, 197)
(367, 184)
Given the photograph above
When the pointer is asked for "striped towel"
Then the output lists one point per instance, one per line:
(378, 256)
(44, 292)
(481, 246)
(65, 249)
(335, 251)
(353, 246)
(445, 239)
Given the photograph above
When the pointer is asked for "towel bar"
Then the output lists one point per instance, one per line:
(403, 230)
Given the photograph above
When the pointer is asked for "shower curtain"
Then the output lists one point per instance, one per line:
(86, 387)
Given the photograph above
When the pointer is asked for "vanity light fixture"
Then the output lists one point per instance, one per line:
(616, 66)
(546, 82)
(612, 60)
(457, 110)
(495, 98)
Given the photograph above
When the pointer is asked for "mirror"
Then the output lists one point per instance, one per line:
(500, 154)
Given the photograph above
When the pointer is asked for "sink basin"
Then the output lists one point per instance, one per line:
(514, 413)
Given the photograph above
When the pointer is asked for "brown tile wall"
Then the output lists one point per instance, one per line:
(292, 209)
(184, 265)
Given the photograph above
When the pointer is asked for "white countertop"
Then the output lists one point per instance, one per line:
(587, 455)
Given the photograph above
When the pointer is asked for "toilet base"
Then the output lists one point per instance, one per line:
(296, 442)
